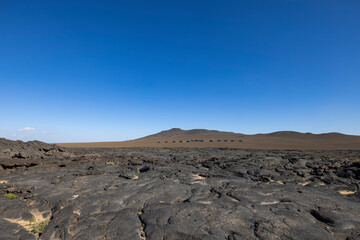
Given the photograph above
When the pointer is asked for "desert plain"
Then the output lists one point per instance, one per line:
(283, 185)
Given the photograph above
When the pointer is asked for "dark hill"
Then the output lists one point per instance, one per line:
(203, 138)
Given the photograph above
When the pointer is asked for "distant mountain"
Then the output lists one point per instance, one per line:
(179, 133)
(177, 137)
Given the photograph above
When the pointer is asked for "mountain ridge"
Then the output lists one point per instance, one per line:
(203, 138)
(177, 131)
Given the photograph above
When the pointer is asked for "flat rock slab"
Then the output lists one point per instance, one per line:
(182, 194)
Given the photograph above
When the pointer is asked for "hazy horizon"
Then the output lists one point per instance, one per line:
(109, 71)
(119, 140)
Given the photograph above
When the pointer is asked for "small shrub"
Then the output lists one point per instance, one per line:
(110, 163)
(37, 227)
(10, 196)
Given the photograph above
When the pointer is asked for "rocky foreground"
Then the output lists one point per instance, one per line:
(179, 194)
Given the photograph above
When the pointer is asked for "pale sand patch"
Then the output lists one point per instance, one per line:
(199, 182)
(347, 192)
(304, 183)
(276, 182)
(142, 234)
(26, 224)
(265, 194)
(77, 212)
(4, 181)
(197, 177)
(269, 203)
(39, 215)
(234, 200)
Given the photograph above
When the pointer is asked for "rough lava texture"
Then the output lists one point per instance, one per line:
(32, 149)
(188, 193)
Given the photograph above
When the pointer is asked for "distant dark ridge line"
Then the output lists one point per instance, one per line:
(200, 140)
(181, 132)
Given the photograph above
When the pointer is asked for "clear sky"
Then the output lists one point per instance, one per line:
(114, 70)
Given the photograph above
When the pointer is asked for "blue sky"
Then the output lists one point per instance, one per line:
(75, 71)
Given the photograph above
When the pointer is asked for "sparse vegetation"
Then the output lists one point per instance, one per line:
(10, 196)
(37, 227)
